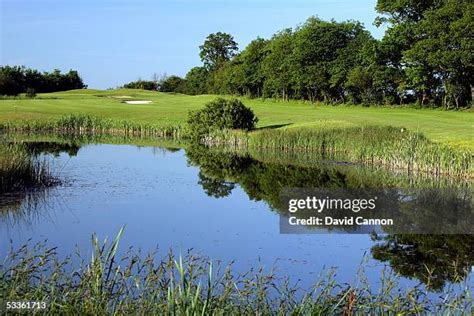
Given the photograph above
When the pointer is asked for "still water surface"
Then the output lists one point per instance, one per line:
(166, 200)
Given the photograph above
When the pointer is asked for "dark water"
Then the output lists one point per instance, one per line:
(219, 205)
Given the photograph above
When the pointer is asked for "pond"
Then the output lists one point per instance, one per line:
(221, 205)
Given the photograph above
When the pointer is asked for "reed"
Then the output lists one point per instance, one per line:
(394, 148)
(85, 123)
(107, 283)
(19, 170)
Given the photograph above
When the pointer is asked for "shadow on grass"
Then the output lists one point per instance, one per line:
(272, 126)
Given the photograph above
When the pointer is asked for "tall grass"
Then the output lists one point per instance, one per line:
(107, 283)
(85, 123)
(395, 148)
(20, 170)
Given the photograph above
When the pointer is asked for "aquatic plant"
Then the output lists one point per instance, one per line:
(392, 147)
(395, 148)
(85, 123)
(107, 283)
(20, 170)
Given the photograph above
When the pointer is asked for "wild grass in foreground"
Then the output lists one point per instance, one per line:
(85, 123)
(395, 148)
(19, 170)
(133, 284)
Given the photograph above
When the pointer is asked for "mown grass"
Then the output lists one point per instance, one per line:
(19, 170)
(395, 148)
(454, 128)
(438, 142)
(107, 283)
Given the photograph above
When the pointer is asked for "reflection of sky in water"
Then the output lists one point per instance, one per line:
(157, 196)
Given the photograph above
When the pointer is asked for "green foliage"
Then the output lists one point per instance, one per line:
(444, 49)
(218, 48)
(110, 283)
(90, 124)
(394, 148)
(173, 84)
(15, 80)
(429, 42)
(142, 84)
(248, 76)
(19, 170)
(425, 57)
(220, 114)
(197, 81)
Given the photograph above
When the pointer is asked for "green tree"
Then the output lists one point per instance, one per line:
(142, 84)
(173, 84)
(197, 81)
(18, 79)
(325, 52)
(445, 46)
(218, 48)
(429, 43)
(250, 76)
(278, 66)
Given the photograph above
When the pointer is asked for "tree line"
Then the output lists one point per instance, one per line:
(425, 57)
(163, 84)
(15, 80)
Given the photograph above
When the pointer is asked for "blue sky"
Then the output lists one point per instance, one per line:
(113, 42)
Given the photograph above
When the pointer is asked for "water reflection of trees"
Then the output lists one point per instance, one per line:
(432, 259)
(52, 148)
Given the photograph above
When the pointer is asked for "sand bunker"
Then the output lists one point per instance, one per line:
(138, 102)
(121, 97)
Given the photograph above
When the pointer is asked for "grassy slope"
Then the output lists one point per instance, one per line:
(455, 128)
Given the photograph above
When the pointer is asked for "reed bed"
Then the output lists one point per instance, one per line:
(107, 283)
(394, 148)
(19, 170)
(85, 123)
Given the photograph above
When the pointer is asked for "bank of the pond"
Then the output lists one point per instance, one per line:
(453, 128)
(105, 283)
(85, 123)
(391, 147)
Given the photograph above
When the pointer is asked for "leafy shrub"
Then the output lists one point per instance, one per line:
(220, 114)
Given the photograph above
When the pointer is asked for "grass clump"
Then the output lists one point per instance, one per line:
(395, 148)
(19, 170)
(190, 285)
(220, 114)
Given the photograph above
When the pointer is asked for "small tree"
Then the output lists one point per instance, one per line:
(220, 114)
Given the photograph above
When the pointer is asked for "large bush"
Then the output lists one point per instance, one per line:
(220, 114)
